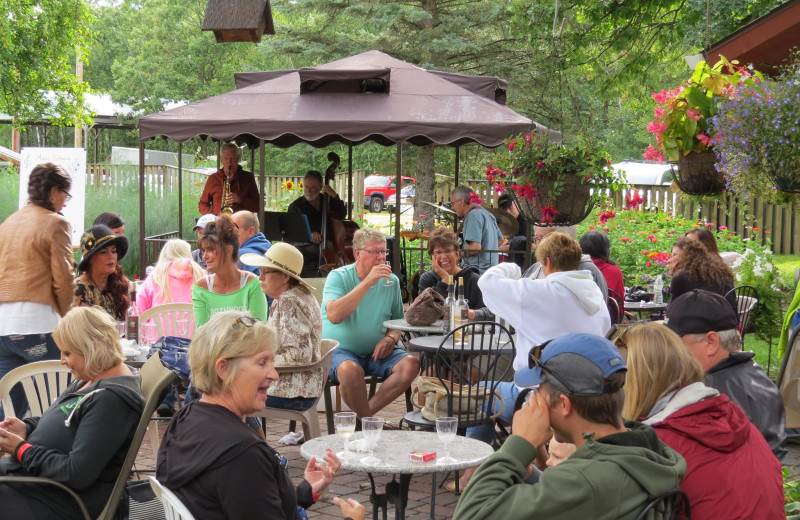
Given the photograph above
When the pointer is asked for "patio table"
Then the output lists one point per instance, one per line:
(392, 450)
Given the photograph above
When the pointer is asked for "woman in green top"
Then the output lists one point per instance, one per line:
(226, 288)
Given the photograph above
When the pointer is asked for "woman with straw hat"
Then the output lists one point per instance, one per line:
(295, 314)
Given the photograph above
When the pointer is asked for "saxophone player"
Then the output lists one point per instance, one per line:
(243, 191)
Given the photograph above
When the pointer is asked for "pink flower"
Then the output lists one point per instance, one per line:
(653, 154)
(709, 224)
(654, 127)
(659, 112)
(703, 138)
(648, 264)
(540, 164)
(723, 227)
(625, 239)
(650, 237)
(694, 114)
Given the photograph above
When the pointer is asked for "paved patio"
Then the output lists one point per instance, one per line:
(356, 485)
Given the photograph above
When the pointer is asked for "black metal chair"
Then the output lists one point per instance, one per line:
(746, 302)
(456, 362)
(669, 506)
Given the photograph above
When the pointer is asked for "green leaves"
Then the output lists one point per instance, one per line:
(38, 41)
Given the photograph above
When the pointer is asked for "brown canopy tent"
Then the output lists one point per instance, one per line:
(366, 97)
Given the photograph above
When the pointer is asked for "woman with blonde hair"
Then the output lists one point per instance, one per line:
(218, 466)
(82, 439)
(173, 277)
(664, 388)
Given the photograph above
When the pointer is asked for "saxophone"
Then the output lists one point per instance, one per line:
(226, 189)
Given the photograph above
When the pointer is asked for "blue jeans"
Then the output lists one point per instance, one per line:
(291, 403)
(485, 432)
(19, 350)
(381, 368)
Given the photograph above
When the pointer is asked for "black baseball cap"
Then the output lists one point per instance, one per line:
(698, 312)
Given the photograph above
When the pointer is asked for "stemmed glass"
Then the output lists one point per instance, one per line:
(372, 427)
(446, 430)
(389, 282)
(182, 326)
(345, 426)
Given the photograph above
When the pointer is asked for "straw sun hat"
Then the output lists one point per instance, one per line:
(280, 256)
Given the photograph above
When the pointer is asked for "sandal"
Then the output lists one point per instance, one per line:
(451, 487)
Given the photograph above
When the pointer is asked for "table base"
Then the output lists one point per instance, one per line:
(397, 493)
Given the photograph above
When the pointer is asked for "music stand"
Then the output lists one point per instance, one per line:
(287, 227)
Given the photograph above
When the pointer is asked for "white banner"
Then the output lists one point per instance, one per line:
(74, 161)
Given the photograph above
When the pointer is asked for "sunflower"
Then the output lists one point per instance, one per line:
(288, 185)
(300, 185)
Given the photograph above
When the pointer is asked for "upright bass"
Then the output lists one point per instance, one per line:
(336, 247)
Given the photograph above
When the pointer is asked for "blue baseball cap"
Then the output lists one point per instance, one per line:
(578, 364)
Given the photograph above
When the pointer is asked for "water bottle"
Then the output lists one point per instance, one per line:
(449, 304)
(658, 290)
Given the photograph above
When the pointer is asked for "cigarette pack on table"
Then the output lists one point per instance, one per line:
(421, 456)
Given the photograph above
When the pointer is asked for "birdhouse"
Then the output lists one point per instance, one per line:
(238, 20)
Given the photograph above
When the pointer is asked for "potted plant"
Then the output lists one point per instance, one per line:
(758, 141)
(554, 184)
(684, 128)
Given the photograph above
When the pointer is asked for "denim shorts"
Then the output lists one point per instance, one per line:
(381, 368)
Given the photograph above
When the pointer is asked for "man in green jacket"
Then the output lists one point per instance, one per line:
(618, 467)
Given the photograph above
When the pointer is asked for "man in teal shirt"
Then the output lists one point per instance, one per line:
(357, 299)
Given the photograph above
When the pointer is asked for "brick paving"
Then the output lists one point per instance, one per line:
(356, 485)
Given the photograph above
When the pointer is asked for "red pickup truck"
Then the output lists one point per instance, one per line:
(379, 189)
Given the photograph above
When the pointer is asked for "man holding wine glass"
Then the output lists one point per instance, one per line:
(355, 303)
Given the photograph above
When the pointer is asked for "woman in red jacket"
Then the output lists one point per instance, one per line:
(723, 450)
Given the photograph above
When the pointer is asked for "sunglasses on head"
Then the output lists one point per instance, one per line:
(247, 321)
(533, 361)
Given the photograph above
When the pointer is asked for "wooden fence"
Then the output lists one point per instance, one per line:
(275, 192)
(779, 224)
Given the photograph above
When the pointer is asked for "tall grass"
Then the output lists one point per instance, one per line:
(161, 207)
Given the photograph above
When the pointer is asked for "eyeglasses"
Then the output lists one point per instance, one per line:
(265, 272)
(69, 197)
(376, 252)
(533, 361)
(247, 321)
(440, 253)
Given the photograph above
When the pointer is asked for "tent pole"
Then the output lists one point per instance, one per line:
(142, 255)
(180, 190)
(398, 184)
(261, 180)
(350, 181)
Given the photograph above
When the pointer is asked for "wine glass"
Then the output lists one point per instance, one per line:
(149, 332)
(372, 427)
(345, 426)
(446, 430)
(389, 282)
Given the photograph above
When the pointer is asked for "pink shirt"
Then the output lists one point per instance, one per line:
(180, 287)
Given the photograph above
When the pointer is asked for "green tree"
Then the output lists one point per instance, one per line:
(38, 41)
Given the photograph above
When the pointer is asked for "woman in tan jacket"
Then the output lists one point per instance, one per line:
(36, 274)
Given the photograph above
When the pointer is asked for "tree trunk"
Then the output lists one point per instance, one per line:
(425, 184)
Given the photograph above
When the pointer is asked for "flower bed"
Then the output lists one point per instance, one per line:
(641, 244)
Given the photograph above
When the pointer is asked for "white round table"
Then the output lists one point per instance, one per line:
(392, 450)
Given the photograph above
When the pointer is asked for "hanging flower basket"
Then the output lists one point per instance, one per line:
(786, 181)
(554, 184)
(696, 174)
(571, 207)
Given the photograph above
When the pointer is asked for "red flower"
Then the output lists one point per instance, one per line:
(625, 239)
(511, 146)
(548, 212)
(540, 164)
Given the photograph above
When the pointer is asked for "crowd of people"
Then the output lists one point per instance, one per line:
(603, 432)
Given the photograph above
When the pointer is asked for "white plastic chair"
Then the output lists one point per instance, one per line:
(173, 507)
(308, 417)
(166, 317)
(42, 381)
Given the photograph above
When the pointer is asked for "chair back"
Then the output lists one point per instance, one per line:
(746, 301)
(671, 505)
(615, 309)
(166, 319)
(42, 382)
(307, 417)
(789, 380)
(173, 507)
(472, 365)
(155, 380)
